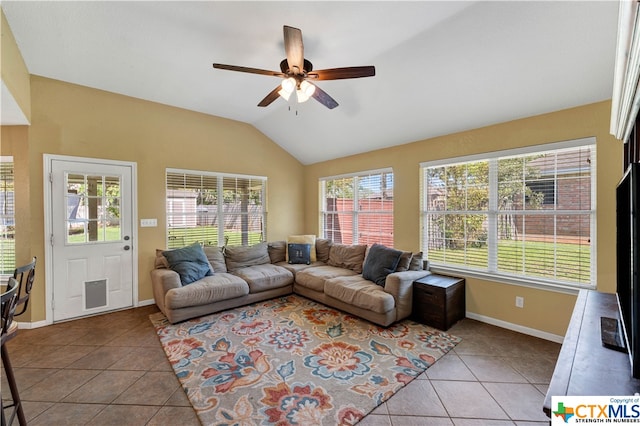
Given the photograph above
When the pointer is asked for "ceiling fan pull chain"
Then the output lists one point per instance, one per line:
(289, 108)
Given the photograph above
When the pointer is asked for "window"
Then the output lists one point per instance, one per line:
(527, 214)
(215, 208)
(358, 209)
(93, 208)
(7, 217)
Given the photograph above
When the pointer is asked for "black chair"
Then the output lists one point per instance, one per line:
(8, 304)
(25, 276)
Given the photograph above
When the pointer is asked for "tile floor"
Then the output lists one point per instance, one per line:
(111, 370)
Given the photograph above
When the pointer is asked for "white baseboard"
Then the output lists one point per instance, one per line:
(515, 327)
(30, 325)
(146, 302)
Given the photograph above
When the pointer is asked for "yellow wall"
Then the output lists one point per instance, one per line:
(13, 69)
(14, 142)
(78, 121)
(544, 310)
(73, 120)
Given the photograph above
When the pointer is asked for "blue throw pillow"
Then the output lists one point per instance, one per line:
(189, 262)
(380, 262)
(300, 253)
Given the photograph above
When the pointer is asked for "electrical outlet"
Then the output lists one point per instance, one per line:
(519, 302)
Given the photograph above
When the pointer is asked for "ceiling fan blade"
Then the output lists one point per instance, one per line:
(342, 73)
(294, 48)
(324, 98)
(272, 96)
(249, 70)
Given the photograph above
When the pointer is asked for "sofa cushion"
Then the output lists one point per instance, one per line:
(404, 262)
(347, 256)
(416, 262)
(265, 277)
(296, 267)
(215, 256)
(277, 251)
(189, 262)
(299, 253)
(410, 262)
(315, 277)
(303, 239)
(323, 246)
(238, 257)
(380, 262)
(209, 289)
(357, 291)
(160, 261)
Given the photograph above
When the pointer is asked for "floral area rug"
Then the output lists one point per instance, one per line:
(292, 361)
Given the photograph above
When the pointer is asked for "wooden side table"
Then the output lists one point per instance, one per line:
(438, 301)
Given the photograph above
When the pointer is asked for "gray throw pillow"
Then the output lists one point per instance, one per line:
(417, 261)
(380, 262)
(405, 261)
(189, 262)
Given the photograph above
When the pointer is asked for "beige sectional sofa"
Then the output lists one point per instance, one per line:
(243, 275)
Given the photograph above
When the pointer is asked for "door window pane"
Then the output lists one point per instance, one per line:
(93, 208)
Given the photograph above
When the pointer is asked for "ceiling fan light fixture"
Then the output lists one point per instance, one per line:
(288, 86)
(307, 88)
(305, 91)
(302, 97)
(284, 94)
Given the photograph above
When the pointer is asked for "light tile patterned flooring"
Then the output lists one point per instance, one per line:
(111, 370)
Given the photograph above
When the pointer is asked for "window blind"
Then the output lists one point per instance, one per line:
(358, 209)
(215, 209)
(529, 215)
(7, 217)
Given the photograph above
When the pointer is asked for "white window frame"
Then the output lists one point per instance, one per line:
(220, 190)
(491, 273)
(356, 198)
(9, 159)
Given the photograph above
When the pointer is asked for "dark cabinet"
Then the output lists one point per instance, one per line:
(438, 301)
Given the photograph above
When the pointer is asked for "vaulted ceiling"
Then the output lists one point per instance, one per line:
(441, 66)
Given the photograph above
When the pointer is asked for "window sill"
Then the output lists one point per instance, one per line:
(511, 280)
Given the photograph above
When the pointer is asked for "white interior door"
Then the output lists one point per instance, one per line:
(91, 237)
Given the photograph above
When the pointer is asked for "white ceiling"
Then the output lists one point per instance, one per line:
(441, 67)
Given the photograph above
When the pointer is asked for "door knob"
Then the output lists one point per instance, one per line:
(127, 247)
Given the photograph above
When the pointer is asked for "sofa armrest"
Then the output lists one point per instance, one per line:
(400, 286)
(163, 280)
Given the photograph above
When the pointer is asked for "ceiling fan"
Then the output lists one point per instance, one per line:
(297, 72)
